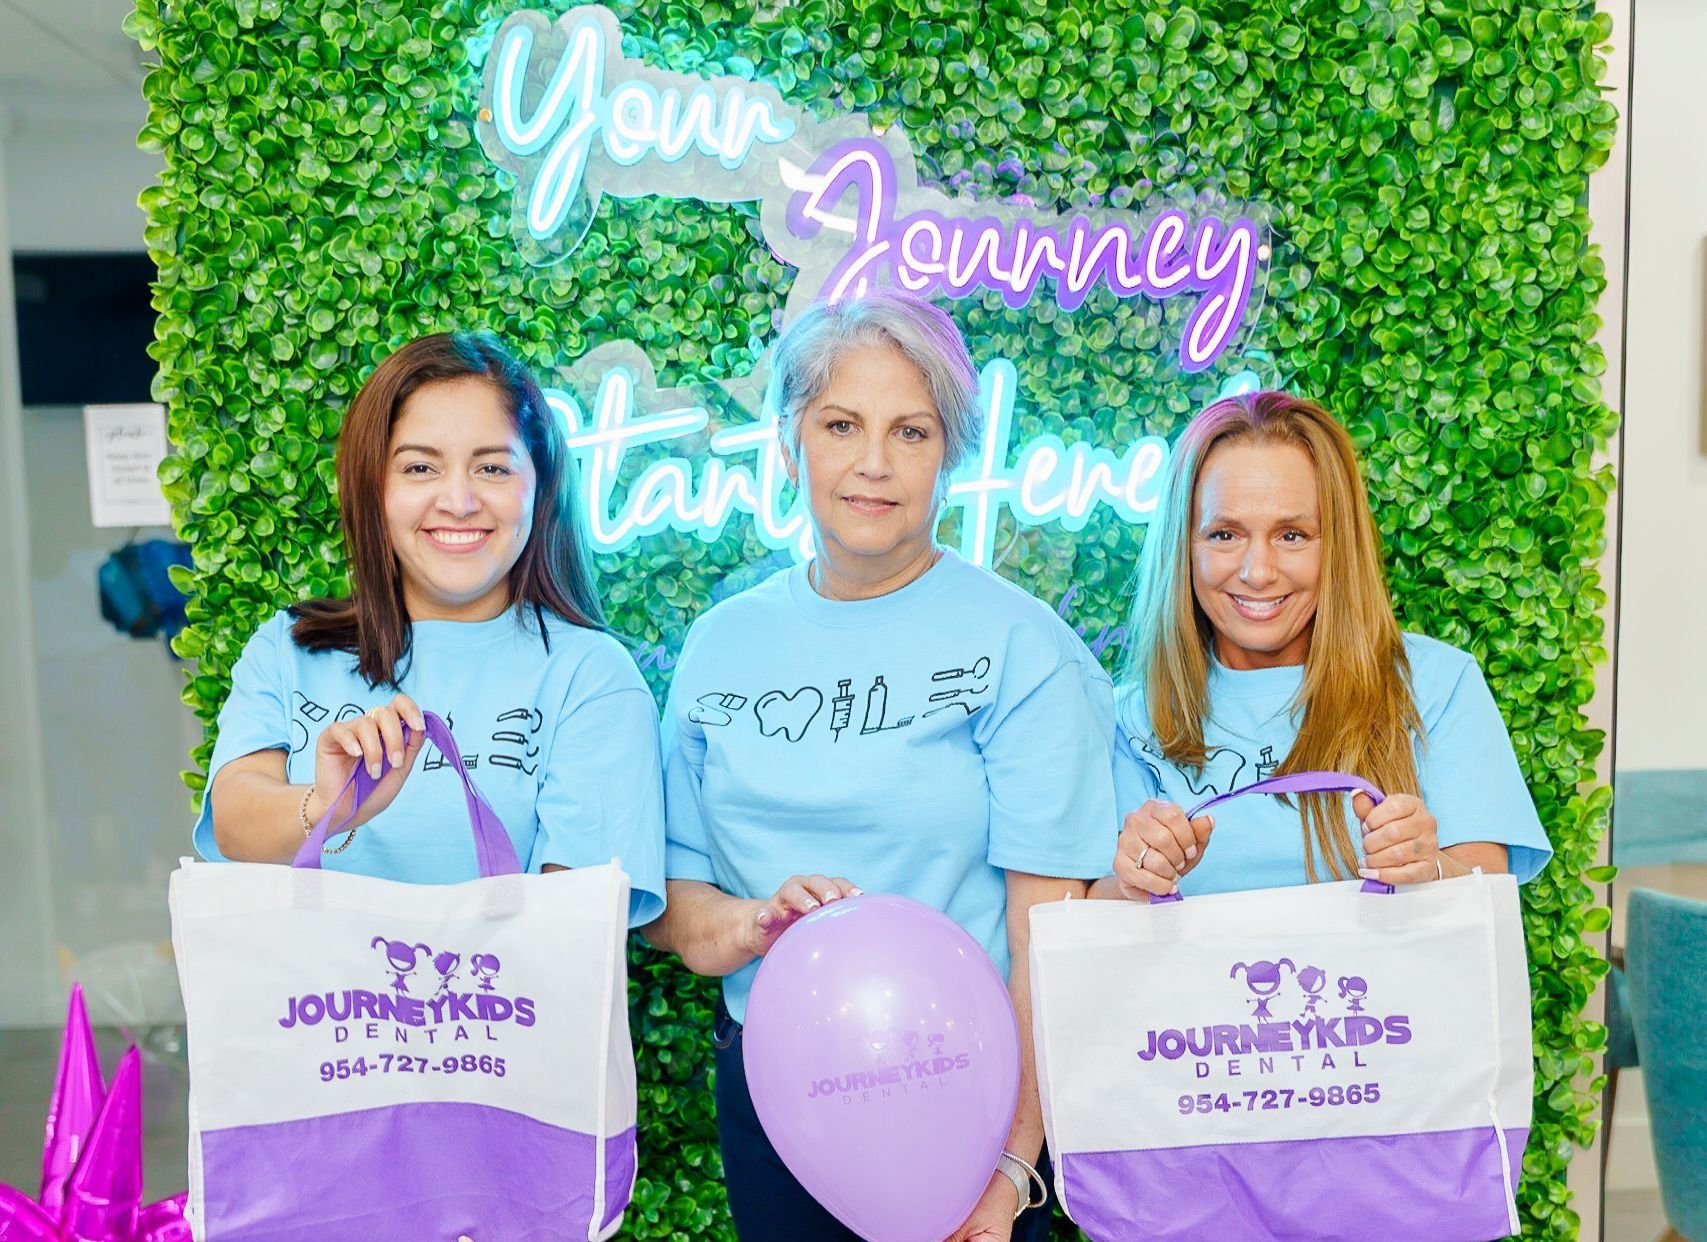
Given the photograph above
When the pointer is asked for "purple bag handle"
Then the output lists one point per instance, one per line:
(494, 852)
(1300, 783)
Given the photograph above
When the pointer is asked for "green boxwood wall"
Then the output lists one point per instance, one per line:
(1425, 165)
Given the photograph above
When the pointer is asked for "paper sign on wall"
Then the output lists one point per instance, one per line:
(125, 445)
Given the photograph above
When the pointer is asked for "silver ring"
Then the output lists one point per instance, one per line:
(1140, 863)
(1439, 871)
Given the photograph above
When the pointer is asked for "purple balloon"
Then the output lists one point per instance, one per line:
(883, 1061)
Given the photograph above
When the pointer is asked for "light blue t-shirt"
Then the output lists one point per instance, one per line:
(1468, 775)
(562, 741)
(919, 743)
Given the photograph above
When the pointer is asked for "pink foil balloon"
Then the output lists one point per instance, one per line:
(21, 1220)
(105, 1191)
(883, 1060)
(78, 1092)
(91, 1155)
(163, 1221)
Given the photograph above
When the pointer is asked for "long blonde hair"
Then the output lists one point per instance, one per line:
(1358, 714)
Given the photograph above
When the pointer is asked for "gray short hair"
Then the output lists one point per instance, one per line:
(809, 351)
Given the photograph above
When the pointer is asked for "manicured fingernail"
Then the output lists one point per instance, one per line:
(1190, 852)
(810, 904)
(1365, 873)
(856, 892)
(396, 758)
(1173, 888)
(765, 918)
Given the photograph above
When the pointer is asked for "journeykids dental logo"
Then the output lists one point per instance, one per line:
(573, 120)
(421, 998)
(898, 1063)
(1288, 1022)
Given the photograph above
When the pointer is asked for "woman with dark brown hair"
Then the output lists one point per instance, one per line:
(471, 597)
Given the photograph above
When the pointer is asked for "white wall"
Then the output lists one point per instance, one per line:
(76, 173)
(94, 734)
(1663, 666)
(26, 910)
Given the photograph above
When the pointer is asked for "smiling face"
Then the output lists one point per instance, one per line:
(870, 458)
(1256, 552)
(459, 496)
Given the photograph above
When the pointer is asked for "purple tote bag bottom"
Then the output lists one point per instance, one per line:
(410, 1173)
(1440, 1187)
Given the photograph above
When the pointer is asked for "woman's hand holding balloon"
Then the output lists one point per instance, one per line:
(1157, 846)
(798, 896)
(993, 1219)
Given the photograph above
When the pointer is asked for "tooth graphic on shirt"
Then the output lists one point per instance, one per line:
(788, 714)
(1219, 773)
(716, 708)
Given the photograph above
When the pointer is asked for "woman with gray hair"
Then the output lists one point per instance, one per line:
(887, 716)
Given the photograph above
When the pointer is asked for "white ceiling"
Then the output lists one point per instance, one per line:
(67, 50)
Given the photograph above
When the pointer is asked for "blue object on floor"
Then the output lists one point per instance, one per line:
(1665, 967)
(137, 593)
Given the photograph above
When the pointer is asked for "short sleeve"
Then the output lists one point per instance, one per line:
(1471, 782)
(1046, 746)
(601, 796)
(256, 716)
(687, 843)
(1135, 782)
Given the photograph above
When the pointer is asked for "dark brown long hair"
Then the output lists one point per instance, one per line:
(553, 574)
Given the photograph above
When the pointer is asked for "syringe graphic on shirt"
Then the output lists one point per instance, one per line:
(877, 710)
(841, 708)
(1266, 763)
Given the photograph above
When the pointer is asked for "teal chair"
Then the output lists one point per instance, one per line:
(1657, 1018)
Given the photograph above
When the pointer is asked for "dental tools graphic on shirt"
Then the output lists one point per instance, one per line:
(877, 710)
(841, 707)
(790, 714)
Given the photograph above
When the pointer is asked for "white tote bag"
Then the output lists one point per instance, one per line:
(1334, 1061)
(401, 1062)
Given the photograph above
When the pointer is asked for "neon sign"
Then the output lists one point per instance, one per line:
(575, 120)
(648, 114)
(1049, 481)
(928, 251)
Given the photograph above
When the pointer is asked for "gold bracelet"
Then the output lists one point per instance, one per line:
(302, 814)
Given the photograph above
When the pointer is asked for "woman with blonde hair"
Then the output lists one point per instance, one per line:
(1267, 645)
